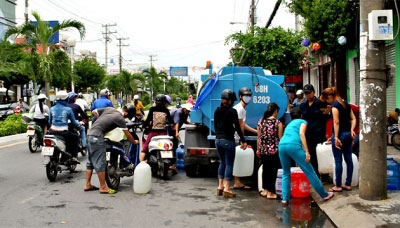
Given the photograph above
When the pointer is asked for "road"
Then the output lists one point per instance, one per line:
(28, 199)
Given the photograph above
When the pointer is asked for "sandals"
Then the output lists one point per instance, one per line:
(347, 188)
(243, 187)
(110, 191)
(220, 192)
(330, 196)
(335, 189)
(92, 188)
(262, 193)
(228, 194)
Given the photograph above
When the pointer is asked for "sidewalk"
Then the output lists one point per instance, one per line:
(13, 139)
(347, 209)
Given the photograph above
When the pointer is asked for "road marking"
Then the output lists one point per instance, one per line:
(13, 144)
(26, 200)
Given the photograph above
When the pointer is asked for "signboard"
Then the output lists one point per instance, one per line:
(293, 79)
(178, 71)
(56, 37)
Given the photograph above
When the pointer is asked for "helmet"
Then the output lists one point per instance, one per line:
(72, 95)
(42, 96)
(104, 92)
(80, 95)
(62, 95)
(130, 108)
(187, 106)
(299, 92)
(160, 99)
(228, 94)
(244, 91)
(168, 99)
(136, 97)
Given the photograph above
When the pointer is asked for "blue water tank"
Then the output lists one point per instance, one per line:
(180, 155)
(393, 175)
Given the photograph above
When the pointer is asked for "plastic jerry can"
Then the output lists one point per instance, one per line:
(180, 152)
(393, 175)
(300, 185)
(278, 183)
(325, 158)
(354, 179)
(244, 162)
(142, 178)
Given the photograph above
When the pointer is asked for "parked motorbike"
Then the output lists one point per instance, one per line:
(56, 158)
(122, 157)
(35, 134)
(394, 135)
(161, 156)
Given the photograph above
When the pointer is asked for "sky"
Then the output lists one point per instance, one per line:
(177, 32)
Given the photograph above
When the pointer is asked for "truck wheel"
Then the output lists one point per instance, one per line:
(51, 171)
(190, 170)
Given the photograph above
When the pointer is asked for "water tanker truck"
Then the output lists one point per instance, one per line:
(200, 151)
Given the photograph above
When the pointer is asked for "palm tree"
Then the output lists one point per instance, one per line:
(39, 35)
(154, 79)
(137, 79)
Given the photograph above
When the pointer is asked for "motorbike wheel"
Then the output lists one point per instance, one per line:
(84, 151)
(32, 143)
(396, 140)
(163, 167)
(51, 171)
(112, 179)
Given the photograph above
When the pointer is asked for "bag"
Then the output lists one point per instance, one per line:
(27, 117)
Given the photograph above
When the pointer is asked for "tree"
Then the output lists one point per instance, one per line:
(155, 80)
(137, 79)
(88, 73)
(39, 35)
(326, 20)
(60, 68)
(275, 49)
(113, 83)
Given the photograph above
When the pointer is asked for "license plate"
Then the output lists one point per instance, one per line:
(166, 154)
(47, 151)
(30, 132)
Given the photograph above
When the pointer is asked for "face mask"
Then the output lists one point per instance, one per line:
(246, 99)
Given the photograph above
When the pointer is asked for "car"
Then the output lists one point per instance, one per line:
(5, 111)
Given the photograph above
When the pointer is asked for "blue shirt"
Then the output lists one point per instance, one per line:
(102, 102)
(60, 114)
(292, 133)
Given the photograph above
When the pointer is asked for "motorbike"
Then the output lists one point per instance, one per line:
(160, 155)
(138, 120)
(394, 135)
(35, 134)
(56, 158)
(122, 157)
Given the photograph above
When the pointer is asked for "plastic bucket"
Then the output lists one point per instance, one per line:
(300, 185)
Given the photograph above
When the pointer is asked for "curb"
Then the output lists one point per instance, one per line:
(13, 138)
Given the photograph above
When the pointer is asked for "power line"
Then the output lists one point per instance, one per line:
(106, 38)
(95, 22)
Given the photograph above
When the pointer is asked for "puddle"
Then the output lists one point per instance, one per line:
(302, 213)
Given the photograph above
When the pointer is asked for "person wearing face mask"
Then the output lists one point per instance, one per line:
(245, 98)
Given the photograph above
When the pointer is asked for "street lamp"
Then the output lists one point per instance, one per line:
(71, 42)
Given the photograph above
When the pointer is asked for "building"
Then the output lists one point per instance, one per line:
(7, 16)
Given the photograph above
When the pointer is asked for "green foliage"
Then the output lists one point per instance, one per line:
(184, 96)
(12, 125)
(60, 69)
(146, 100)
(175, 86)
(275, 49)
(155, 80)
(326, 20)
(113, 83)
(88, 74)
(147, 107)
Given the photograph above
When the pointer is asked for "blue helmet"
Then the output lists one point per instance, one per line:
(168, 99)
(72, 95)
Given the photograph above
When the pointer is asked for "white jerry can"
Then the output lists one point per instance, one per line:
(244, 162)
(324, 158)
(142, 178)
(354, 180)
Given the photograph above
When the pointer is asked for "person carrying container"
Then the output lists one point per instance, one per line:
(293, 145)
(245, 98)
(226, 122)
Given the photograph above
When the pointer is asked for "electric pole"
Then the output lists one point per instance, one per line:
(152, 60)
(152, 82)
(373, 185)
(26, 12)
(120, 45)
(252, 16)
(107, 38)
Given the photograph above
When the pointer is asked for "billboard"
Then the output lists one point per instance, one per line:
(178, 71)
(56, 37)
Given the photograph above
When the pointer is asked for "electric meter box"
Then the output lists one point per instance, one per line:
(380, 25)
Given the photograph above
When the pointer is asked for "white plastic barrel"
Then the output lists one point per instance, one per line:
(142, 178)
(324, 158)
(244, 162)
(354, 180)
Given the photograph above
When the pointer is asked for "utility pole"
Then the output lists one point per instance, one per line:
(152, 60)
(120, 45)
(107, 38)
(252, 16)
(373, 149)
(151, 66)
(26, 12)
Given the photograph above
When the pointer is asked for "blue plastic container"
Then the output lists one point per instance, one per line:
(180, 155)
(393, 175)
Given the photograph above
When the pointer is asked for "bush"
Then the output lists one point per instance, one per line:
(146, 100)
(173, 96)
(183, 96)
(147, 107)
(12, 125)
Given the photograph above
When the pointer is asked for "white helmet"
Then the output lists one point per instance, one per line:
(187, 106)
(42, 96)
(104, 92)
(299, 92)
(136, 97)
(62, 95)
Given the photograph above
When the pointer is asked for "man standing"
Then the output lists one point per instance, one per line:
(108, 119)
(315, 113)
(245, 98)
(103, 101)
(180, 117)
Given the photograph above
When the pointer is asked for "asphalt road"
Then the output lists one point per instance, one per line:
(28, 199)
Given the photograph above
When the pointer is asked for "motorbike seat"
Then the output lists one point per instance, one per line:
(162, 137)
(55, 137)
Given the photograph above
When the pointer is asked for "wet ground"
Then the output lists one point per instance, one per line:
(28, 199)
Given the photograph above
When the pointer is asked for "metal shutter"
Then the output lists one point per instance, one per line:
(391, 90)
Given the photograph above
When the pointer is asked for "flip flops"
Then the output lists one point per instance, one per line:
(110, 191)
(92, 188)
(335, 189)
(243, 187)
(330, 196)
